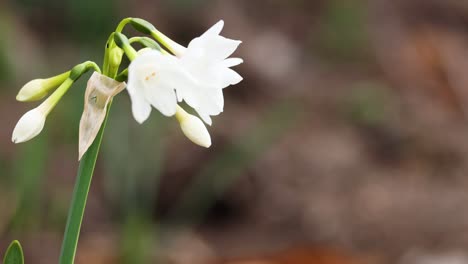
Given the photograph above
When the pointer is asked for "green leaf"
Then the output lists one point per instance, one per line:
(14, 254)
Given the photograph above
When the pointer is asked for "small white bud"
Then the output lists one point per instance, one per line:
(193, 128)
(32, 91)
(29, 126)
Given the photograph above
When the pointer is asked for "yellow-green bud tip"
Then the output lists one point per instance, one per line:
(32, 91)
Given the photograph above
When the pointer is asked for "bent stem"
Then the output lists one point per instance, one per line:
(80, 196)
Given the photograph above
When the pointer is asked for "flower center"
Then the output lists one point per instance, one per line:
(152, 75)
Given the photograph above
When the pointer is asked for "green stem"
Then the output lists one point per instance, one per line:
(81, 190)
(122, 24)
(80, 195)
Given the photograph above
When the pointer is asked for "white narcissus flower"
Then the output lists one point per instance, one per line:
(197, 75)
(206, 59)
(29, 125)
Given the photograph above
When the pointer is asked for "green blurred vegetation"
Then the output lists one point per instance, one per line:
(343, 32)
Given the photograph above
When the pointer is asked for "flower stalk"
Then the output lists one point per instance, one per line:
(156, 79)
(79, 198)
(82, 185)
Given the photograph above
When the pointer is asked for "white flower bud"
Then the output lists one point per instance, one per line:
(29, 126)
(33, 90)
(193, 128)
(38, 88)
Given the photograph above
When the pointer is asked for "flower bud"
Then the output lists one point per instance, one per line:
(29, 125)
(148, 43)
(122, 41)
(38, 88)
(193, 128)
(141, 25)
(32, 91)
(32, 123)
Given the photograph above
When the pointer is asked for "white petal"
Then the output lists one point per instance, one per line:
(231, 62)
(209, 107)
(179, 96)
(153, 77)
(141, 109)
(212, 101)
(195, 50)
(149, 56)
(233, 77)
(219, 99)
(215, 29)
(144, 50)
(206, 118)
(226, 77)
(162, 97)
(191, 95)
(211, 48)
(220, 47)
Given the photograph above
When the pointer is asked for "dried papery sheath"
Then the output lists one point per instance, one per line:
(99, 92)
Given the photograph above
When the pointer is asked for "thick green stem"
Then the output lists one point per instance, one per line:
(80, 195)
(83, 182)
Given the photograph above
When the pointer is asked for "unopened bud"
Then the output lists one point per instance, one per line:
(29, 125)
(142, 25)
(38, 88)
(122, 41)
(193, 128)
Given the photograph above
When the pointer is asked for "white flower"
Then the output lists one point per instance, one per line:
(29, 125)
(197, 74)
(193, 128)
(206, 60)
(152, 80)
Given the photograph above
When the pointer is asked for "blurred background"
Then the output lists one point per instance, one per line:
(347, 141)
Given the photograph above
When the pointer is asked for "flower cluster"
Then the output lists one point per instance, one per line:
(159, 78)
(196, 74)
